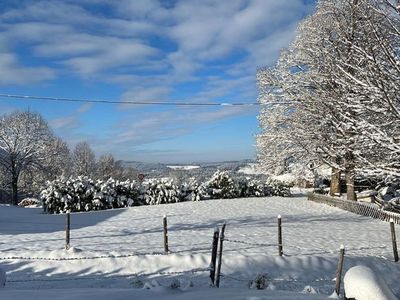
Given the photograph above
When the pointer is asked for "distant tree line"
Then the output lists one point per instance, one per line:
(336, 94)
(31, 154)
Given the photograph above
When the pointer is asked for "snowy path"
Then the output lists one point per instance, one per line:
(312, 233)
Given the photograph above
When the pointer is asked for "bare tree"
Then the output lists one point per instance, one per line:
(25, 143)
(84, 161)
(108, 167)
(57, 163)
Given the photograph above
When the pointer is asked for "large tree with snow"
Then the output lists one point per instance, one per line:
(335, 91)
(26, 143)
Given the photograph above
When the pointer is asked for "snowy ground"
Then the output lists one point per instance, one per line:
(114, 251)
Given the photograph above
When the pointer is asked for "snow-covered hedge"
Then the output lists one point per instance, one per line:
(249, 187)
(161, 191)
(277, 188)
(222, 186)
(85, 194)
(194, 191)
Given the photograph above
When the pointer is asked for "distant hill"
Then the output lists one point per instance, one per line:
(190, 169)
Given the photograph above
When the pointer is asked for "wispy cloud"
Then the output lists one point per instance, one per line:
(14, 73)
(72, 121)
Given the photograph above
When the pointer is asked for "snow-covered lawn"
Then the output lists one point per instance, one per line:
(114, 251)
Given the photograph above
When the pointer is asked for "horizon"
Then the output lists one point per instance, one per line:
(249, 160)
(147, 51)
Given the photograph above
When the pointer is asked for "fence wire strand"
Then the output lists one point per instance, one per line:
(249, 243)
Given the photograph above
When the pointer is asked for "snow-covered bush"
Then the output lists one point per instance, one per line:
(221, 186)
(260, 282)
(63, 195)
(194, 191)
(277, 188)
(114, 193)
(32, 202)
(249, 187)
(321, 189)
(161, 191)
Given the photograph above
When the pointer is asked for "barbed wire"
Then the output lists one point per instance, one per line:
(79, 258)
(249, 243)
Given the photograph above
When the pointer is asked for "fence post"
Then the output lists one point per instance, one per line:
(339, 270)
(166, 250)
(280, 245)
(67, 230)
(214, 255)
(394, 243)
(221, 242)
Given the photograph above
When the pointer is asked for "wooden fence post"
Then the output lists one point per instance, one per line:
(394, 243)
(67, 231)
(214, 255)
(221, 243)
(280, 245)
(339, 270)
(165, 225)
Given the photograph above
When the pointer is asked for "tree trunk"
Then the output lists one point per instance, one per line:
(335, 182)
(349, 174)
(14, 190)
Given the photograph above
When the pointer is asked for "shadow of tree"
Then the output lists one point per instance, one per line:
(17, 220)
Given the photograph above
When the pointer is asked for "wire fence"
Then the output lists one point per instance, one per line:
(249, 243)
(359, 208)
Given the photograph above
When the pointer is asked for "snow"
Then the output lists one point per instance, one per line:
(111, 251)
(186, 168)
(287, 178)
(3, 278)
(250, 169)
(361, 282)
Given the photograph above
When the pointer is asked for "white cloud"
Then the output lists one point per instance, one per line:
(115, 54)
(13, 73)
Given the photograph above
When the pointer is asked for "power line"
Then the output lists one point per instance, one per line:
(63, 99)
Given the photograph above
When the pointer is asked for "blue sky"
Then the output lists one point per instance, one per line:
(145, 50)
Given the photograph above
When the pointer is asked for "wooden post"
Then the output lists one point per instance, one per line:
(280, 245)
(67, 231)
(339, 270)
(214, 255)
(166, 250)
(221, 243)
(394, 243)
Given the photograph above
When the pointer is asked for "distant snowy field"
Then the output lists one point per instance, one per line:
(183, 167)
(114, 251)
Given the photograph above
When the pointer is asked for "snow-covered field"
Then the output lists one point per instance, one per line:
(183, 167)
(114, 252)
